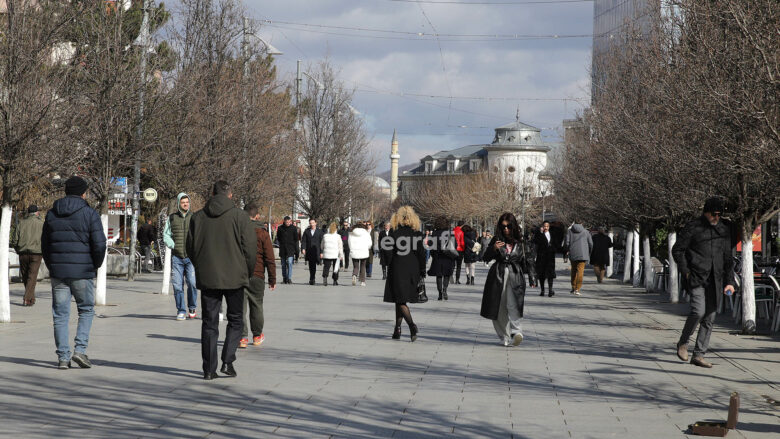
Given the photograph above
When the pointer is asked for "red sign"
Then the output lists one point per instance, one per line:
(756, 241)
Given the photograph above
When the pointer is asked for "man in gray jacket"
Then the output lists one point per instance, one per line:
(579, 245)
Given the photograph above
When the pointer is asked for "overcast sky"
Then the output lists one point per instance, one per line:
(381, 69)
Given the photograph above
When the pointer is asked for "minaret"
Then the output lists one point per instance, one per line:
(394, 156)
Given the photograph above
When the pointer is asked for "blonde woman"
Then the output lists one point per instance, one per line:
(406, 267)
(332, 253)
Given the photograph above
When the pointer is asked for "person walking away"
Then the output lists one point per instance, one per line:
(406, 268)
(344, 233)
(332, 253)
(254, 293)
(146, 237)
(545, 258)
(26, 241)
(374, 237)
(175, 238)
(74, 247)
(311, 247)
(443, 264)
(504, 294)
(599, 257)
(385, 252)
(470, 257)
(579, 244)
(360, 247)
(703, 253)
(287, 237)
(458, 232)
(222, 244)
(530, 259)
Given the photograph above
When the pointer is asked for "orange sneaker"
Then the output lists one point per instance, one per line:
(257, 341)
(243, 343)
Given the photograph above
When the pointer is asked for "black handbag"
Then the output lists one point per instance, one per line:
(421, 296)
(451, 249)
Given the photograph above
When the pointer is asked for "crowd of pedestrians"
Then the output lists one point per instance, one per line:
(227, 255)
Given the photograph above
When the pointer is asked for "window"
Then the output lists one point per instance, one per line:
(450, 165)
(428, 166)
(474, 165)
(510, 169)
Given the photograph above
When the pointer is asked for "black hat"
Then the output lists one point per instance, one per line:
(287, 217)
(32, 209)
(713, 204)
(76, 186)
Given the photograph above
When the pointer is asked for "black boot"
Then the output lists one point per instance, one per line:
(444, 294)
(397, 333)
(325, 281)
(412, 331)
(472, 280)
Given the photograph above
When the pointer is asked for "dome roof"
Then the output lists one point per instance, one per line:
(380, 183)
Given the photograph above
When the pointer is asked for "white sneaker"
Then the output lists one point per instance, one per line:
(181, 316)
(354, 280)
(517, 339)
(507, 343)
(577, 293)
(221, 317)
(362, 284)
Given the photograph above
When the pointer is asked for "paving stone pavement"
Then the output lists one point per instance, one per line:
(597, 366)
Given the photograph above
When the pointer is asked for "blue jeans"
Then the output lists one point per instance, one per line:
(287, 265)
(182, 267)
(83, 290)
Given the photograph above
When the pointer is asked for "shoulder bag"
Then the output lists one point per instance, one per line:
(421, 296)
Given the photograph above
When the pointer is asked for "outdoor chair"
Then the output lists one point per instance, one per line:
(766, 295)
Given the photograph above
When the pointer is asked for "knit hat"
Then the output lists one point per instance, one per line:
(713, 204)
(32, 209)
(76, 186)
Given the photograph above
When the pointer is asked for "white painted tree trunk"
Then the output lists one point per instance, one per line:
(748, 284)
(100, 284)
(637, 282)
(611, 235)
(166, 286)
(5, 287)
(648, 264)
(672, 287)
(627, 258)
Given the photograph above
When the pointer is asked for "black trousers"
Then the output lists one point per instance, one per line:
(312, 270)
(458, 263)
(346, 258)
(211, 302)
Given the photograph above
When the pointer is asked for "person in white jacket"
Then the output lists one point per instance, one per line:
(360, 245)
(332, 253)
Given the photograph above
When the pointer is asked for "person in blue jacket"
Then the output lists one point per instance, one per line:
(74, 247)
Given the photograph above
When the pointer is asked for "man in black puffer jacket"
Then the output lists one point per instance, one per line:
(74, 247)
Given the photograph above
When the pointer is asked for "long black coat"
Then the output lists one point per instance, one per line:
(494, 285)
(312, 244)
(287, 236)
(600, 253)
(470, 239)
(703, 249)
(545, 256)
(406, 265)
(385, 251)
(442, 264)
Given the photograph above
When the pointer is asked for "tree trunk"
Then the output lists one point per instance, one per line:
(672, 287)
(748, 284)
(637, 282)
(611, 258)
(627, 257)
(648, 264)
(5, 235)
(100, 285)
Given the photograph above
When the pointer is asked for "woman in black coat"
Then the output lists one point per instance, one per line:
(406, 267)
(443, 264)
(470, 257)
(504, 293)
(545, 257)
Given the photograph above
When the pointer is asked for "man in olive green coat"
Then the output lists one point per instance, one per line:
(26, 241)
(222, 245)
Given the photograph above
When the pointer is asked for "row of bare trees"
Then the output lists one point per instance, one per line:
(74, 75)
(682, 111)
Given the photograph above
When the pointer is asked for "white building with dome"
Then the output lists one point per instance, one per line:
(517, 152)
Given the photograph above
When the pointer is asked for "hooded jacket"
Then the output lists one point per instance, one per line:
(332, 246)
(26, 238)
(222, 245)
(579, 242)
(177, 227)
(72, 241)
(360, 243)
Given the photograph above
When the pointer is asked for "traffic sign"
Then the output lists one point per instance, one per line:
(150, 195)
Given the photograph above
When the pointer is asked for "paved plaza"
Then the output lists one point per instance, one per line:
(597, 366)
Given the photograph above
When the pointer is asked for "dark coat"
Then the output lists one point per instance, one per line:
(265, 260)
(494, 285)
(469, 239)
(545, 256)
(344, 233)
(600, 253)
(442, 265)
(287, 237)
(72, 241)
(147, 234)
(385, 248)
(312, 244)
(222, 245)
(702, 250)
(407, 265)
